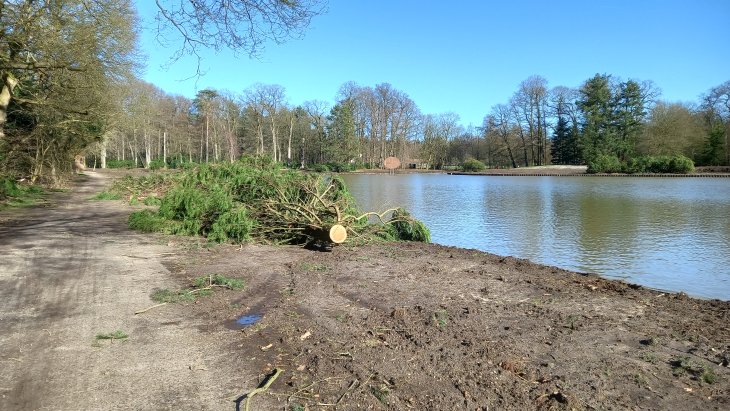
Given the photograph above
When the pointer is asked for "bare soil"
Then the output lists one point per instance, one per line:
(385, 326)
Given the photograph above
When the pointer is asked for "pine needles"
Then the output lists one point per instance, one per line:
(255, 199)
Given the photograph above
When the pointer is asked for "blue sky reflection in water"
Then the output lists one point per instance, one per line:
(666, 233)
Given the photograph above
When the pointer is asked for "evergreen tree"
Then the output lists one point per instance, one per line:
(598, 135)
(560, 147)
(629, 114)
(341, 133)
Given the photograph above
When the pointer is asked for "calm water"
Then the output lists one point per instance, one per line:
(665, 233)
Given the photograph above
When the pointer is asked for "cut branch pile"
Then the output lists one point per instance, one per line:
(255, 198)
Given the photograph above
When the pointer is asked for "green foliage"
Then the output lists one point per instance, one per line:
(107, 195)
(120, 164)
(115, 335)
(713, 152)
(320, 168)
(660, 164)
(13, 194)
(9, 188)
(152, 201)
(255, 198)
(381, 392)
(605, 163)
(234, 224)
(404, 227)
(149, 221)
(219, 280)
(708, 375)
(441, 318)
(157, 164)
(613, 117)
(141, 188)
(473, 165)
(178, 296)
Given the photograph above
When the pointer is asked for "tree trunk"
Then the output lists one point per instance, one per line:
(102, 154)
(147, 150)
(274, 143)
(207, 150)
(288, 149)
(6, 93)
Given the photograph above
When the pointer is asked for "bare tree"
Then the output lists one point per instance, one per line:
(241, 26)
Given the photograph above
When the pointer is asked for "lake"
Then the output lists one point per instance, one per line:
(665, 233)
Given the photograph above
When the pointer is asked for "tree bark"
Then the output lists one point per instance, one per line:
(6, 93)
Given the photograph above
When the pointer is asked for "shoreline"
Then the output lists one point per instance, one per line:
(550, 171)
(452, 328)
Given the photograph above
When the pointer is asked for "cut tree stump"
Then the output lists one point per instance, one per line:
(338, 234)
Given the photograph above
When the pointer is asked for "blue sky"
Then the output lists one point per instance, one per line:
(467, 56)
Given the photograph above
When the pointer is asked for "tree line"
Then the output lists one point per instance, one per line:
(69, 76)
(605, 116)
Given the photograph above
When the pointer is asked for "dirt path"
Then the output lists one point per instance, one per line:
(73, 270)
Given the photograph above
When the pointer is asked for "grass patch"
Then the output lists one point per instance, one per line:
(107, 195)
(708, 375)
(441, 318)
(641, 380)
(114, 335)
(649, 357)
(14, 194)
(178, 296)
(307, 266)
(201, 287)
(685, 366)
(381, 393)
(218, 280)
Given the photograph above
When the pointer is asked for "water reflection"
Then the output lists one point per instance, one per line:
(666, 233)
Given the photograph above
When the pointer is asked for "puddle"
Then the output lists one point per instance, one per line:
(249, 319)
(245, 320)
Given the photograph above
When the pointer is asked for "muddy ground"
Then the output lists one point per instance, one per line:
(386, 326)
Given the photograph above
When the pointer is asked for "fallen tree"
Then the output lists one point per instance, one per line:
(255, 198)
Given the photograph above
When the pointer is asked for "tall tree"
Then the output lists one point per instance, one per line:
(716, 111)
(58, 61)
(673, 129)
(629, 114)
(595, 104)
(341, 133)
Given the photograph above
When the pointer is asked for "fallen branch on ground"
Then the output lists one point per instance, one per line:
(262, 388)
(149, 308)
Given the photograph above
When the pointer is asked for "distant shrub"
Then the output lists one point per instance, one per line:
(157, 164)
(681, 165)
(605, 163)
(660, 164)
(9, 188)
(321, 168)
(473, 165)
(120, 164)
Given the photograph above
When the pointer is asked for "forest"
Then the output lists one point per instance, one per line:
(70, 77)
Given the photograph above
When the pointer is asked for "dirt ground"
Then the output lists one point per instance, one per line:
(394, 326)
